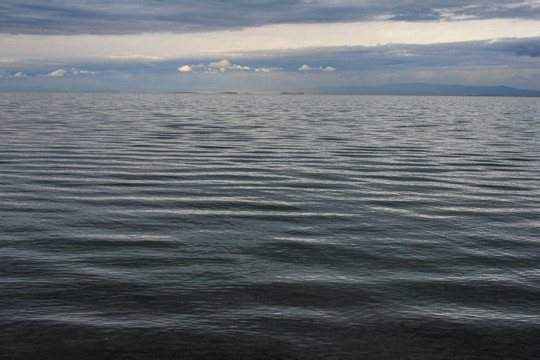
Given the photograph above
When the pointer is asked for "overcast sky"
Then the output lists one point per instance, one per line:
(188, 45)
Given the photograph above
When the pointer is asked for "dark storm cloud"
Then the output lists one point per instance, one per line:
(123, 17)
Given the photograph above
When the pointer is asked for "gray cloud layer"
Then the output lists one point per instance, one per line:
(519, 53)
(511, 62)
(136, 16)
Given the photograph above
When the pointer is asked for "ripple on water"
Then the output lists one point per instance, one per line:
(233, 226)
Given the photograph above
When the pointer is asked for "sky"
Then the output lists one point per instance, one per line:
(265, 45)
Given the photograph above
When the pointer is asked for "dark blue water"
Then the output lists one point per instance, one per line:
(185, 226)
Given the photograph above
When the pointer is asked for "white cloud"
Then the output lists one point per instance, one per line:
(225, 65)
(220, 66)
(81, 72)
(137, 57)
(320, 68)
(305, 68)
(73, 71)
(56, 73)
(267, 69)
(19, 75)
(185, 68)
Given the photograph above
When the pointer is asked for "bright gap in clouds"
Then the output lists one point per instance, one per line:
(249, 40)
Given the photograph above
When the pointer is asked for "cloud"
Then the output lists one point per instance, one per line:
(305, 68)
(82, 72)
(19, 75)
(520, 47)
(159, 47)
(217, 66)
(136, 57)
(512, 62)
(267, 69)
(188, 16)
(320, 68)
(56, 73)
(185, 68)
(225, 65)
(532, 50)
(64, 72)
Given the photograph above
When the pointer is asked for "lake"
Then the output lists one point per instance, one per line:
(224, 226)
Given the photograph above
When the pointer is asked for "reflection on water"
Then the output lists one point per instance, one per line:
(181, 226)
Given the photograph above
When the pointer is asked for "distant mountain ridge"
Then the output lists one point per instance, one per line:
(424, 89)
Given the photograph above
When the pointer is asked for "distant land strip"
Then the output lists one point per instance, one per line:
(424, 89)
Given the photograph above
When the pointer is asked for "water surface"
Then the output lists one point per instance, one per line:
(193, 226)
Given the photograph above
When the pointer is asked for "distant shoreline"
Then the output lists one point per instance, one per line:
(528, 95)
(274, 93)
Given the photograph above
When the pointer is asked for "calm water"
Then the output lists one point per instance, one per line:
(184, 226)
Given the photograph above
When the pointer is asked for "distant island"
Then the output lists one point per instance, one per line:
(423, 89)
